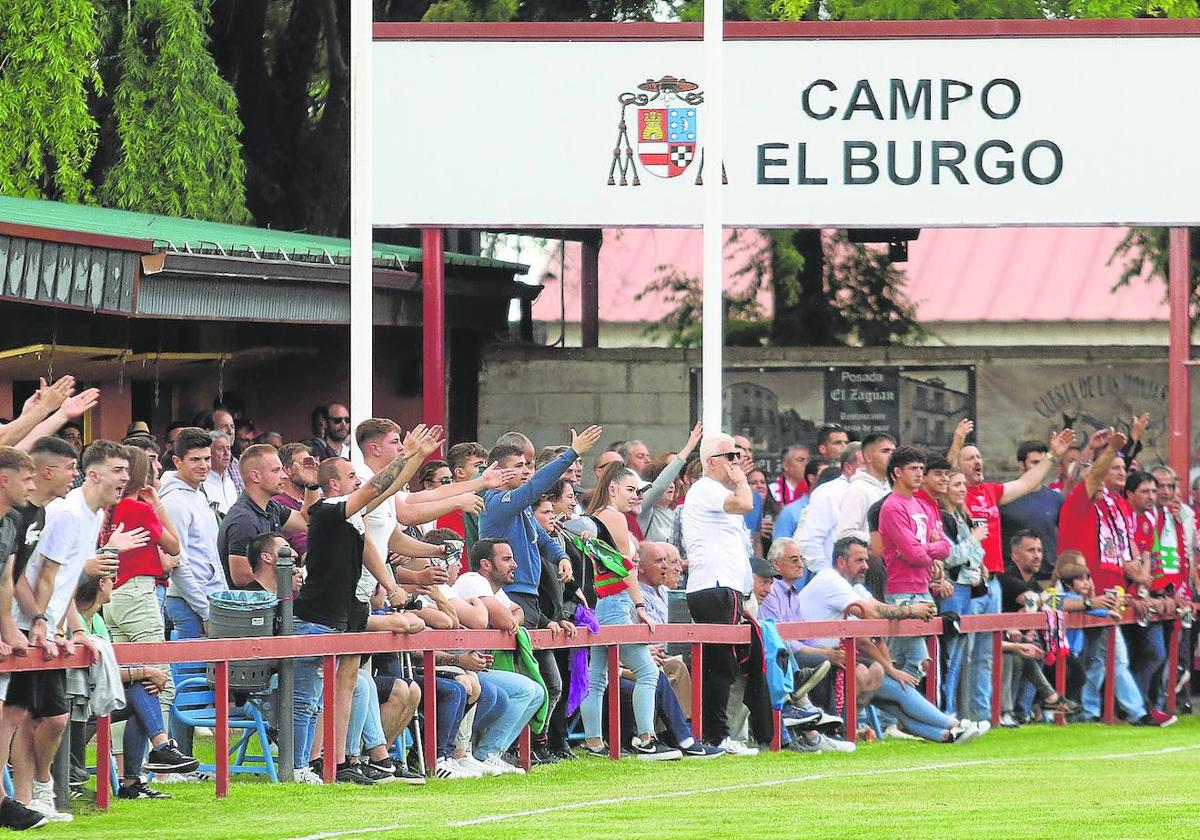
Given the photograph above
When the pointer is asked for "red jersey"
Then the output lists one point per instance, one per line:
(983, 505)
(1101, 531)
(137, 562)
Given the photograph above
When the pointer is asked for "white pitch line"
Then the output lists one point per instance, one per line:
(811, 777)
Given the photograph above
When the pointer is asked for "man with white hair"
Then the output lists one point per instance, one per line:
(717, 545)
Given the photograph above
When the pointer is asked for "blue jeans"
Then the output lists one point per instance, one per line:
(185, 624)
(1147, 654)
(617, 610)
(365, 731)
(669, 710)
(908, 652)
(979, 661)
(451, 706)
(958, 649)
(1125, 688)
(490, 706)
(522, 698)
(306, 697)
(916, 714)
(143, 720)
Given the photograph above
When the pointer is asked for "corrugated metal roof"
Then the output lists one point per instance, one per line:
(190, 235)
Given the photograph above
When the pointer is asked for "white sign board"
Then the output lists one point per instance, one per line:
(883, 133)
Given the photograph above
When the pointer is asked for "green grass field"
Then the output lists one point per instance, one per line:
(1085, 780)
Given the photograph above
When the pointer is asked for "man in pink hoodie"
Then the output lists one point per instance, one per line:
(912, 540)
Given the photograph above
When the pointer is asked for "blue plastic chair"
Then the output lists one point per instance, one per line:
(195, 705)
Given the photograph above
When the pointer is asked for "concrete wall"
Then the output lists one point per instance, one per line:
(1022, 392)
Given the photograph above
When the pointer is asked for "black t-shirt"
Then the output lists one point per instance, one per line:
(245, 521)
(334, 563)
(29, 531)
(1013, 587)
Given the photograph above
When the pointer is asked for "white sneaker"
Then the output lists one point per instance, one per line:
(737, 747)
(498, 763)
(43, 802)
(448, 768)
(826, 744)
(306, 776)
(180, 778)
(898, 734)
(474, 765)
(966, 731)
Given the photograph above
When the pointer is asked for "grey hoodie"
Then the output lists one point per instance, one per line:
(199, 572)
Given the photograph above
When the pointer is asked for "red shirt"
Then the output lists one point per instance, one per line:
(1100, 530)
(299, 540)
(983, 505)
(133, 514)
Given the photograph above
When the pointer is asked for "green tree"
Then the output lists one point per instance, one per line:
(174, 118)
(48, 55)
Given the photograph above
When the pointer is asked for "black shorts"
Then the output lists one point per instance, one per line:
(356, 622)
(42, 693)
(383, 687)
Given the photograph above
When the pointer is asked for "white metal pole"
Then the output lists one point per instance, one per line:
(361, 316)
(712, 355)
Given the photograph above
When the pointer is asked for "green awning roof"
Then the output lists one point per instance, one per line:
(190, 235)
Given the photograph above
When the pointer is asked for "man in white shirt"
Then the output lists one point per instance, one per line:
(44, 605)
(219, 485)
(717, 546)
(836, 593)
(818, 529)
(867, 487)
(492, 568)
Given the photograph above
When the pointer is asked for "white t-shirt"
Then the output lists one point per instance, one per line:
(380, 523)
(716, 543)
(475, 585)
(825, 598)
(68, 539)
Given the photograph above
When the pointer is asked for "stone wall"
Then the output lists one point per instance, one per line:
(1021, 392)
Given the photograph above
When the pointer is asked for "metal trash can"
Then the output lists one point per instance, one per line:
(241, 615)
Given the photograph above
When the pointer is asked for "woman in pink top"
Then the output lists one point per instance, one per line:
(912, 537)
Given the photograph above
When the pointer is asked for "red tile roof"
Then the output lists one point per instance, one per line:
(968, 274)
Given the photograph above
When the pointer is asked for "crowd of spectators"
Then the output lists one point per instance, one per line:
(393, 530)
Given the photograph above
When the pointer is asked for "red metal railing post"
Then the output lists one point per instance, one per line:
(850, 688)
(997, 674)
(221, 686)
(1110, 669)
(614, 702)
(525, 747)
(931, 674)
(697, 673)
(103, 762)
(1173, 665)
(329, 761)
(429, 688)
(1060, 682)
(777, 731)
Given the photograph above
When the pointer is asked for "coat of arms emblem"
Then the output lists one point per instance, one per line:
(666, 125)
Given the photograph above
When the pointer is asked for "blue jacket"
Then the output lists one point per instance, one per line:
(507, 514)
(780, 664)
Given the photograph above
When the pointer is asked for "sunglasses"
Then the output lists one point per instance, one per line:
(339, 419)
(309, 462)
(446, 480)
(728, 456)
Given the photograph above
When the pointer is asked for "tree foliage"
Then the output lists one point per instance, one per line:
(175, 118)
(48, 55)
